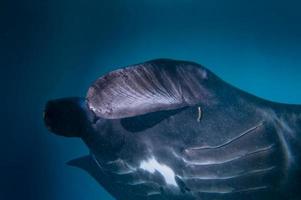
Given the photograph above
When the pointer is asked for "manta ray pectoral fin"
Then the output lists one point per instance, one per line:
(153, 86)
(88, 164)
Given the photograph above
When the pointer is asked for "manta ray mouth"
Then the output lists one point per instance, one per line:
(65, 116)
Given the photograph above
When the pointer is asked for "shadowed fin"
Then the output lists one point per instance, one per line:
(81, 162)
(152, 86)
(90, 164)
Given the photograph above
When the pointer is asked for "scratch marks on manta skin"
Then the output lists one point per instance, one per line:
(229, 141)
(205, 174)
(120, 167)
(199, 159)
(212, 180)
(224, 161)
(200, 114)
(124, 171)
(285, 134)
(151, 165)
(230, 190)
(238, 175)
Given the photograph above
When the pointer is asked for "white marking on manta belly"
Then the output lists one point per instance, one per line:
(151, 165)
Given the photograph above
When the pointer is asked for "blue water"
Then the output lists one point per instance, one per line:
(56, 48)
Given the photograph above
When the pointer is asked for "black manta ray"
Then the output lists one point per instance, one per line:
(168, 129)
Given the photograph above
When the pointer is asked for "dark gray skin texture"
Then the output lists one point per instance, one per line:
(221, 144)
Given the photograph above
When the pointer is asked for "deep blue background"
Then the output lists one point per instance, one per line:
(56, 48)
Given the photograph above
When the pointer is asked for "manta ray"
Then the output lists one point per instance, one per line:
(172, 130)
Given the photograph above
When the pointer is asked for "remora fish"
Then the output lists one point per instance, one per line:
(168, 129)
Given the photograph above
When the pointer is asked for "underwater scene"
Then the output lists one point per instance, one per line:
(129, 100)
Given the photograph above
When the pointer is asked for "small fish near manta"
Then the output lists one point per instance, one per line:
(168, 129)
